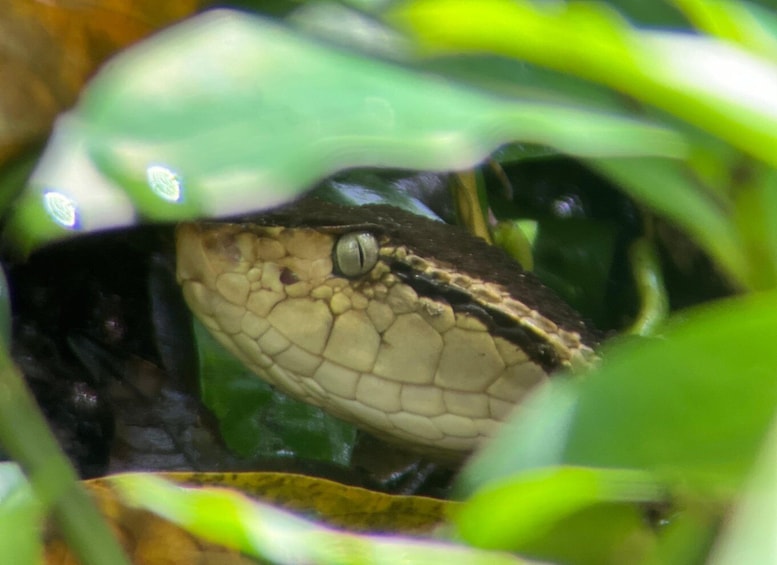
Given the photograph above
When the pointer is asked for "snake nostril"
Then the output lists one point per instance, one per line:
(288, 276)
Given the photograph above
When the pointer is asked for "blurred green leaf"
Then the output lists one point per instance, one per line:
(751, 531)
(265, 130)
(747, 24)
(21, 517)
(350, 26)
(336, 504)
(212, 119)
(575, 514)
(675, 404)
(681, 73)
(754, 215)
(691, 406)
(686, 536)
(534, 437)
(25, 436)
(228, 518)
(653, 14)
(678, 72)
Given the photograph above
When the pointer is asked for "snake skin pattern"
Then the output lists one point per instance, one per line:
(405, 366)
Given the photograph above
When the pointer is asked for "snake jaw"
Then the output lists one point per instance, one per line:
(410, 351)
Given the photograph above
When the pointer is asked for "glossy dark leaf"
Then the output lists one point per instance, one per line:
(257, 421)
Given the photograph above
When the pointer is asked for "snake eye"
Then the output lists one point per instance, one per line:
(355, 253)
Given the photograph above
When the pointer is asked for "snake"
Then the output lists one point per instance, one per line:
(412, 329)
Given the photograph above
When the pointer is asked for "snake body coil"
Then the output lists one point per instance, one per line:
(411, 329)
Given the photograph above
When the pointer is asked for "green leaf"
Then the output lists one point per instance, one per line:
(676, 405)
(692, 406)
(575, 514)
(228, 518)
(749, 25)
(677, 72)
(750, 533)
(26, 437)
(535, 437)
(336, 504)
(21, 517)
(257, 421)
(756, 220)
(188, 124)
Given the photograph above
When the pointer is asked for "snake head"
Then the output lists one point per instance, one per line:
(391, 335)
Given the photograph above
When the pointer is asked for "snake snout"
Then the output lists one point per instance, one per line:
(206, 251)
(191, 257)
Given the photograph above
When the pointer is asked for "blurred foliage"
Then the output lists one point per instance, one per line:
(643, 460)
(279, 537)
(52, 48)
(127, 501)
(132, 137)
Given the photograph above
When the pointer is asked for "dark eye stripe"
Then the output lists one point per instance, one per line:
(498, 323)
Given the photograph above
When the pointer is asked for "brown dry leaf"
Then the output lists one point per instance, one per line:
(352, 508)
(49, 48)
(146, 538)
(151, 540)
